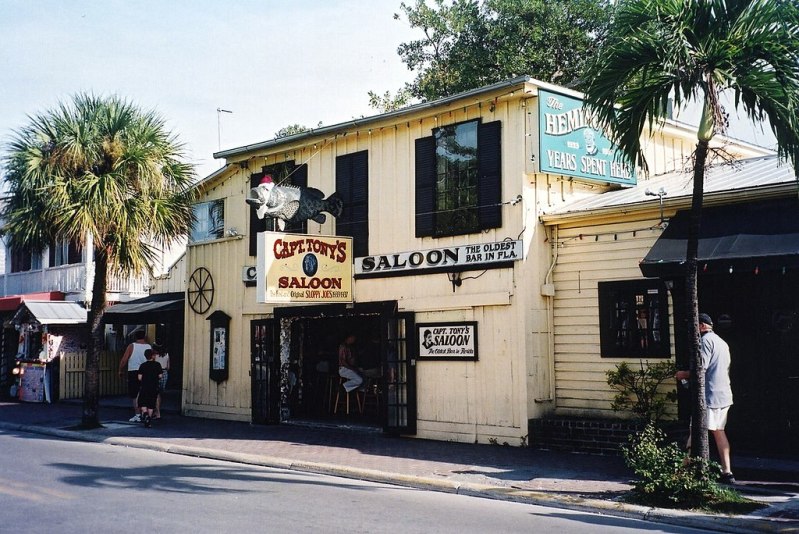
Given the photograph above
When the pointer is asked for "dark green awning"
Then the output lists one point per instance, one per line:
(755, 236)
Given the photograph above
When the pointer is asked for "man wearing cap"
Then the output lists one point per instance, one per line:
(718, 393)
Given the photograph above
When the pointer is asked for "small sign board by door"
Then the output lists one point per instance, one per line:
(447, 341)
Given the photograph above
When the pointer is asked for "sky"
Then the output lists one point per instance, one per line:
(271, 62)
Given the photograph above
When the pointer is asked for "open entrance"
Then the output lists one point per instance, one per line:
(306, 365)
(758, 316)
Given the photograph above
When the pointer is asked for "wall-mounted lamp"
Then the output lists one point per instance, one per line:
(455, 278)
(660, 194)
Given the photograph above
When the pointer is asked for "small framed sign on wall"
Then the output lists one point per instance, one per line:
(447, 341)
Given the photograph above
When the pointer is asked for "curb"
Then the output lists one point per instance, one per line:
(683, 518)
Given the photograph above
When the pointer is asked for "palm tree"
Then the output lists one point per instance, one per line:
(693, 51)
(99, 171)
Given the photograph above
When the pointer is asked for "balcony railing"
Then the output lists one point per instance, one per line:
(70, 279)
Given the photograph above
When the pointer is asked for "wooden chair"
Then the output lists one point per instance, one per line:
(346, 397)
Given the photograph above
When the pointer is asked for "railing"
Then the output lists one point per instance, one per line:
(72, 370)
(71, 279)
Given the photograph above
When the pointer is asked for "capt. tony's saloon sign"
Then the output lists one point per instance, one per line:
(445, 259)
(447, 341)
(303, 268)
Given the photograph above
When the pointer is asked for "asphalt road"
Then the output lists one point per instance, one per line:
(52, 485)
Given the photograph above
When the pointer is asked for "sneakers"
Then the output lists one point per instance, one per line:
(148, 422)
(135, 419)
(727, 478)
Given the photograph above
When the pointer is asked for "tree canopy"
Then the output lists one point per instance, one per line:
(693, 50)
(105, 174)
(471, 43)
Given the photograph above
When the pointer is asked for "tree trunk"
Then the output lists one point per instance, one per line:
(699, 438)
(91, 394)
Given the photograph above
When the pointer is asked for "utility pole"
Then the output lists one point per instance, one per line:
(219, 112)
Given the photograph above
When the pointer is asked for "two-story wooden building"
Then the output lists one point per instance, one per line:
(452, 299)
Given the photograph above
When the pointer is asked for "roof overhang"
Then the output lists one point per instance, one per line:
(749, 237)
(153, 309)
(50, 313)
(12, 302)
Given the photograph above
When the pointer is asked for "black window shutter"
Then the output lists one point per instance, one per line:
(256, 224)
(352, 184)
(425, 186)
(489, 195)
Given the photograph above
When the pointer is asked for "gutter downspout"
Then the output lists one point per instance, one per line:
(548, 291)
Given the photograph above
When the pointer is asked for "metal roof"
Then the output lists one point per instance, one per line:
(755, 174)
(51, 312)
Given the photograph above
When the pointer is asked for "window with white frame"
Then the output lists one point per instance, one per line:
(209, 221)
(64, 252)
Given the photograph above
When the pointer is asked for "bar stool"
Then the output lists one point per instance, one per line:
(371, 396)
(347, 395)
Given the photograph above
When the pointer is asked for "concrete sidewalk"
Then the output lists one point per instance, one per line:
(580, 482)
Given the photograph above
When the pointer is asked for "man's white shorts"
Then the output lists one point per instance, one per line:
(717, 418)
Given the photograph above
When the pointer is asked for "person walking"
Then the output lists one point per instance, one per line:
(718, 390)
(162, 357)
(131, 360)
(149, 375)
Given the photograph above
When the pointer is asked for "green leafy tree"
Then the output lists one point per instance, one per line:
(99, 171)
(471, 43)
(694, 50)
(293, 129)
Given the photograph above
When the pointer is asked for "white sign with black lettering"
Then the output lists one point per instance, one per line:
(447, 341)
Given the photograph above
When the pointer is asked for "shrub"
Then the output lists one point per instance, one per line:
(666, 477)
(637, 390)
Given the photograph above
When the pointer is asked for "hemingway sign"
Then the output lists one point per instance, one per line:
(439, 259)
(303, 268)
(570, 145)
(447, 341)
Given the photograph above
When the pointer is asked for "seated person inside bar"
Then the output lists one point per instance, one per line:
(347, 365)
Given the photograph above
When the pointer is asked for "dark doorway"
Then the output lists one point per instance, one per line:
(383, 352)
(265, 371)
(758, 316)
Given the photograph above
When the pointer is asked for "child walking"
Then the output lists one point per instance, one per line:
(149, 375)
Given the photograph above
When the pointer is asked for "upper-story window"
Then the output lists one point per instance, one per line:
(209, 221)
(458, 179)
(24, 259)
(286, 173)
(352, 185)
(64, 252)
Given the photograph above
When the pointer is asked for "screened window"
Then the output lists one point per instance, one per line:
(634, 319)
(64, 252)
(458, 179)
(24, 259)
(209, 221)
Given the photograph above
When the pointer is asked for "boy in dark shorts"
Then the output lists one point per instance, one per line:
(149, 376)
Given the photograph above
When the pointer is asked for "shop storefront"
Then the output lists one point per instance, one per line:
(624, 278)
(450, 299)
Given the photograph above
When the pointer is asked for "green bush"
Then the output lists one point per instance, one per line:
(637, 390)
(668, 478)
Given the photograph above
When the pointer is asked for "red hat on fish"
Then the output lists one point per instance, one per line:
(267, 181)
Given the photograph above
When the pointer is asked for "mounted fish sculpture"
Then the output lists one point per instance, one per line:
(291, 203)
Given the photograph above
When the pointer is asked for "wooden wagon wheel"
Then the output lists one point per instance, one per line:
(201, 290)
